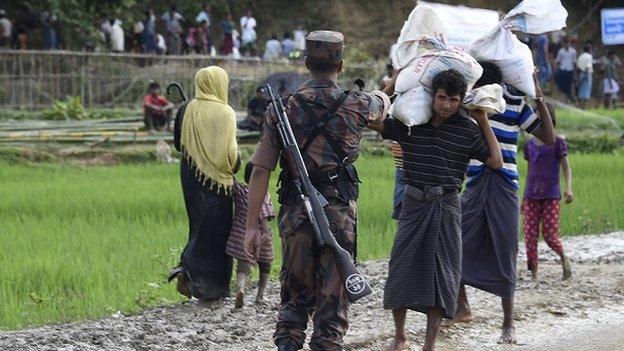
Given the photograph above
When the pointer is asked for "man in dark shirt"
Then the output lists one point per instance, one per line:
(255, 112)
(425, 263)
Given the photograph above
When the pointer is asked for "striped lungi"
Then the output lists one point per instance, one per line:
(425, 264)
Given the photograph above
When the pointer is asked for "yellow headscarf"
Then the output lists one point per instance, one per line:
(208, 136)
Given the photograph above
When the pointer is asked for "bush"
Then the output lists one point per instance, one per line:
(70, 109)
(586, 143)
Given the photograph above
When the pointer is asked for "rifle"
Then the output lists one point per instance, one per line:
(354, 282)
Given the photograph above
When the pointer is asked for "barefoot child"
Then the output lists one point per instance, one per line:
(235, 242)
(542, 196)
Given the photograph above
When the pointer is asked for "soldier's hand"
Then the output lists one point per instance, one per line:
(251, 242)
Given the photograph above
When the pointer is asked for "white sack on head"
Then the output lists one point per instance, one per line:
(536, 16)
(423, 69)
(413, 107)
(422, 22)
(513, 57)
(488, 98)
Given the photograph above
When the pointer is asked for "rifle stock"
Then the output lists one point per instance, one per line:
(354, 283)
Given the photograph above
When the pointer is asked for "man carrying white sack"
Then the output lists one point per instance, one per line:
(490, 205)
(425, 263)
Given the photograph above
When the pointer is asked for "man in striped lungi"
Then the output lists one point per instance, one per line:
(425, 264)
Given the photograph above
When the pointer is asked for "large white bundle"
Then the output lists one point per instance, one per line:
(536, 16)
(488, 98)
(503, 48)
(414, 107)
(513, 57)
(422, 69)
(463, 25)
(422, 22)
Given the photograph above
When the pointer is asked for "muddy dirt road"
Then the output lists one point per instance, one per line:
(583, 313)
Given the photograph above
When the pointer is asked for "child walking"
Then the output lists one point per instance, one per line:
(542, 197)
(235, 248)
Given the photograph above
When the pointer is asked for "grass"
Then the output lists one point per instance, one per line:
(599, 120)
(83, 242)
(90, 113)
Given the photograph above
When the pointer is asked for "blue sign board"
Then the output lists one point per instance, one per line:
(612, 23)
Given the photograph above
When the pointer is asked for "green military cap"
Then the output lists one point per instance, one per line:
(324, 47)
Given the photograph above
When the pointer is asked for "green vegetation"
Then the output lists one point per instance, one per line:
(595, 120)
(60, 110)
(70, 109)
(82, 242)
(597, 131)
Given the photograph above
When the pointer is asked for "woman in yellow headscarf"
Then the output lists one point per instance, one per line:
(205, 133)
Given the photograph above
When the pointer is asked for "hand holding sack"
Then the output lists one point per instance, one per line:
(488, 98)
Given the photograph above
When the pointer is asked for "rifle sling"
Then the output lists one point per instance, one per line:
(319, 127)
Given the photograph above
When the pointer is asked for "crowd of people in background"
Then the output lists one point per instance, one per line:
(180, 35)
(579, 77)
(16, 31)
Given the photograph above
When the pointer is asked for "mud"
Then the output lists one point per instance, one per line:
(585, 312)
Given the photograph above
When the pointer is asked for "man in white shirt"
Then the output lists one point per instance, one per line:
(204, 15)
(161, 45)
(585, 65)
(299, 37)
(248, 32)
(117, 36)
(566, 62)
(6, 29)
(273, 49)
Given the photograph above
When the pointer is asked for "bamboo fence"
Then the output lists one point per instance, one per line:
(34, 79)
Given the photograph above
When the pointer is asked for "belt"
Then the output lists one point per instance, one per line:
(434, 192)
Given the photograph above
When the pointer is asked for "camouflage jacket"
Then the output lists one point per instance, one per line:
(357, 111)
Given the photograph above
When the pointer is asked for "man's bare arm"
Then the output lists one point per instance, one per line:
(495, 161)
(153, 107)
(169, 106)
(567, 173)
(389, 88)
(258, 186)
(546, 131)
(376, 127)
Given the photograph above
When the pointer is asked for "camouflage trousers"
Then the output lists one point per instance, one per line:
(311, 286)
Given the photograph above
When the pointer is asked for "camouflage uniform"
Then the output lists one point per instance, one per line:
(310, 282)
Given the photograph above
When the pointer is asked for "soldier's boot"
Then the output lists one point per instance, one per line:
(288, 346)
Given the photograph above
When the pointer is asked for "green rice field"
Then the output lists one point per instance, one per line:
(83, 242)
